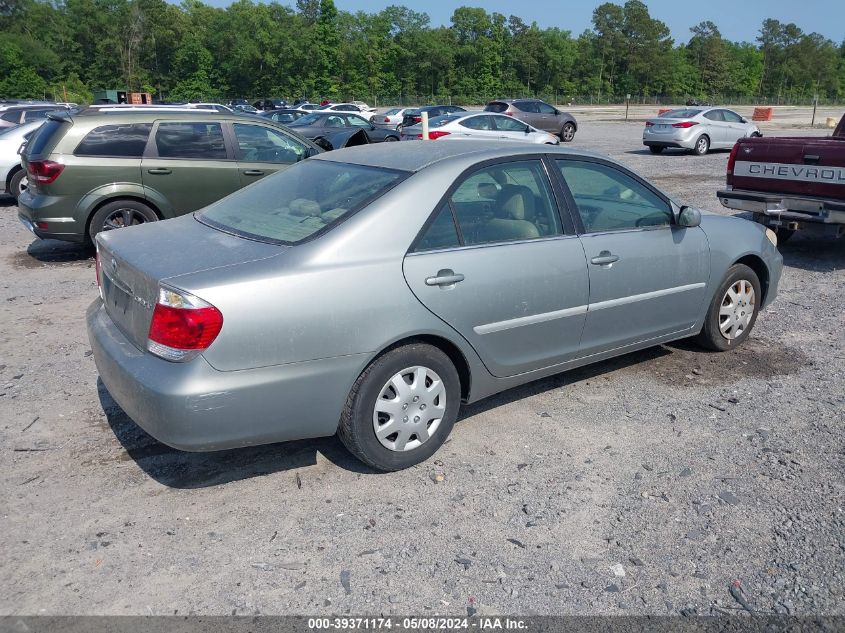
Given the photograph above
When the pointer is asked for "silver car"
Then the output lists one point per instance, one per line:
(697, 129)
(368, 292)
(480, 125)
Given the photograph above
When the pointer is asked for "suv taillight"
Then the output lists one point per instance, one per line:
(43, 172)
(182, 326)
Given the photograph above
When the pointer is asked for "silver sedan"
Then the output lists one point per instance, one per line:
(370, 291)
(480, 125)
(697, 129)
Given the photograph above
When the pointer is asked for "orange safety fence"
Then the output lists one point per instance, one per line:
(762, 114)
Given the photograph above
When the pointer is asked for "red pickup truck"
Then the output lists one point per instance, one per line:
(789, 183)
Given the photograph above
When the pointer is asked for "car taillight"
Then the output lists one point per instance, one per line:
(435, 134)
(508, 112)
(182, 326)
(417, 118)
(387, 119)
(732, 160)
(685, 124)
(648, 123)
(43, 172)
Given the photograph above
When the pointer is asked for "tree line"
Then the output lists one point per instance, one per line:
(66, 49)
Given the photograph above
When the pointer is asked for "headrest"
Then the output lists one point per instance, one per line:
(303, 206)
(516, 202)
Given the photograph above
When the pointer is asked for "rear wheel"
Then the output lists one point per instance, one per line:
(120, 214)
(402, 407)
(656, 149)
(733, 311)
(567, 132)
(18, 184)
(390, 139)
(702, 145)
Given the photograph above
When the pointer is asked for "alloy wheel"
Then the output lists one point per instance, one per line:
(409, 408)
(123, 217)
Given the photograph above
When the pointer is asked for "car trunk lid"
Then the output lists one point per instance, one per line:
(130, 278)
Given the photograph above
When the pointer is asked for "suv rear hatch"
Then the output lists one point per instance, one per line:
(40, 170)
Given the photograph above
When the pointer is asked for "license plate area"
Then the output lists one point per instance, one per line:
(116, 297)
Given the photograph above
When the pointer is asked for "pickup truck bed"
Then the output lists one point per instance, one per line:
(789, 183)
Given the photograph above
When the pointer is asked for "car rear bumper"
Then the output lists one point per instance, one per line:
(780, 207)
(194, 407)
(44, 216)
(682, 137)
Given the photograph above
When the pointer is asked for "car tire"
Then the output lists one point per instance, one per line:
(656, 149)
(567, 132)
(118, 214)
(425, 366)
(733, 311)
(17, 184)
(702, 145)
(390, 139)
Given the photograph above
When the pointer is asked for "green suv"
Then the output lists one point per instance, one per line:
(101, 170)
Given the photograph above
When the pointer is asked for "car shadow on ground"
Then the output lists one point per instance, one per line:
(673, 151)
(179, 469)
(6, 201)
(58, 252)
(814, 253)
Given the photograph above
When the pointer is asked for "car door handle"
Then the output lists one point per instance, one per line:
(159, 171)
(605, 258)
(444, 277)
(253, 172)
(811, 159)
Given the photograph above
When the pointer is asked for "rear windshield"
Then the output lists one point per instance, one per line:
(681, 114)
(39, 142)
(440, 121)
(496, 106)
(297, 203)
(393, 111)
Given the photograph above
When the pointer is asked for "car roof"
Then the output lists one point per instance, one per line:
(416, 155)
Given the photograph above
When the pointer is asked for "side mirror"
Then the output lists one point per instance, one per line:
(743, 120)
(689, 217)
(528, 130)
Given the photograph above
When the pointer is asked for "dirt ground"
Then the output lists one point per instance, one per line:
(642, 485)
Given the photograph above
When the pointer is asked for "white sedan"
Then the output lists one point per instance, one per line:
(393, 117)
(12, 175)
(480, 125)
(350, 108)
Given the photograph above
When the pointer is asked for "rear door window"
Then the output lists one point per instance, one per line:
(478, 123)
(714, 115)
(123, 141)
(193, 139)
(496, 106)
(527, 106)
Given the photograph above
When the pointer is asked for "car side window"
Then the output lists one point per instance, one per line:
(526, 106)
(545, 108)
(504, 202)
(507, 124)
(259, 144)
(714, 115)
(608, 199)
(731, 117)
(356, 121)
(335, 121)
(128, 141)
(441, 233)
(477, 123)
(190, 140)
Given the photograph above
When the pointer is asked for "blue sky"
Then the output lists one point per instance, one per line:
(738, 20)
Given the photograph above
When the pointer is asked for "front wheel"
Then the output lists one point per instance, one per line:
(733, 311)
(567, 133)
(402, 408)
(120, 214)
(702, 145)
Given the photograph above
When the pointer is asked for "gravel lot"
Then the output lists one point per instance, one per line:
(643, 485)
